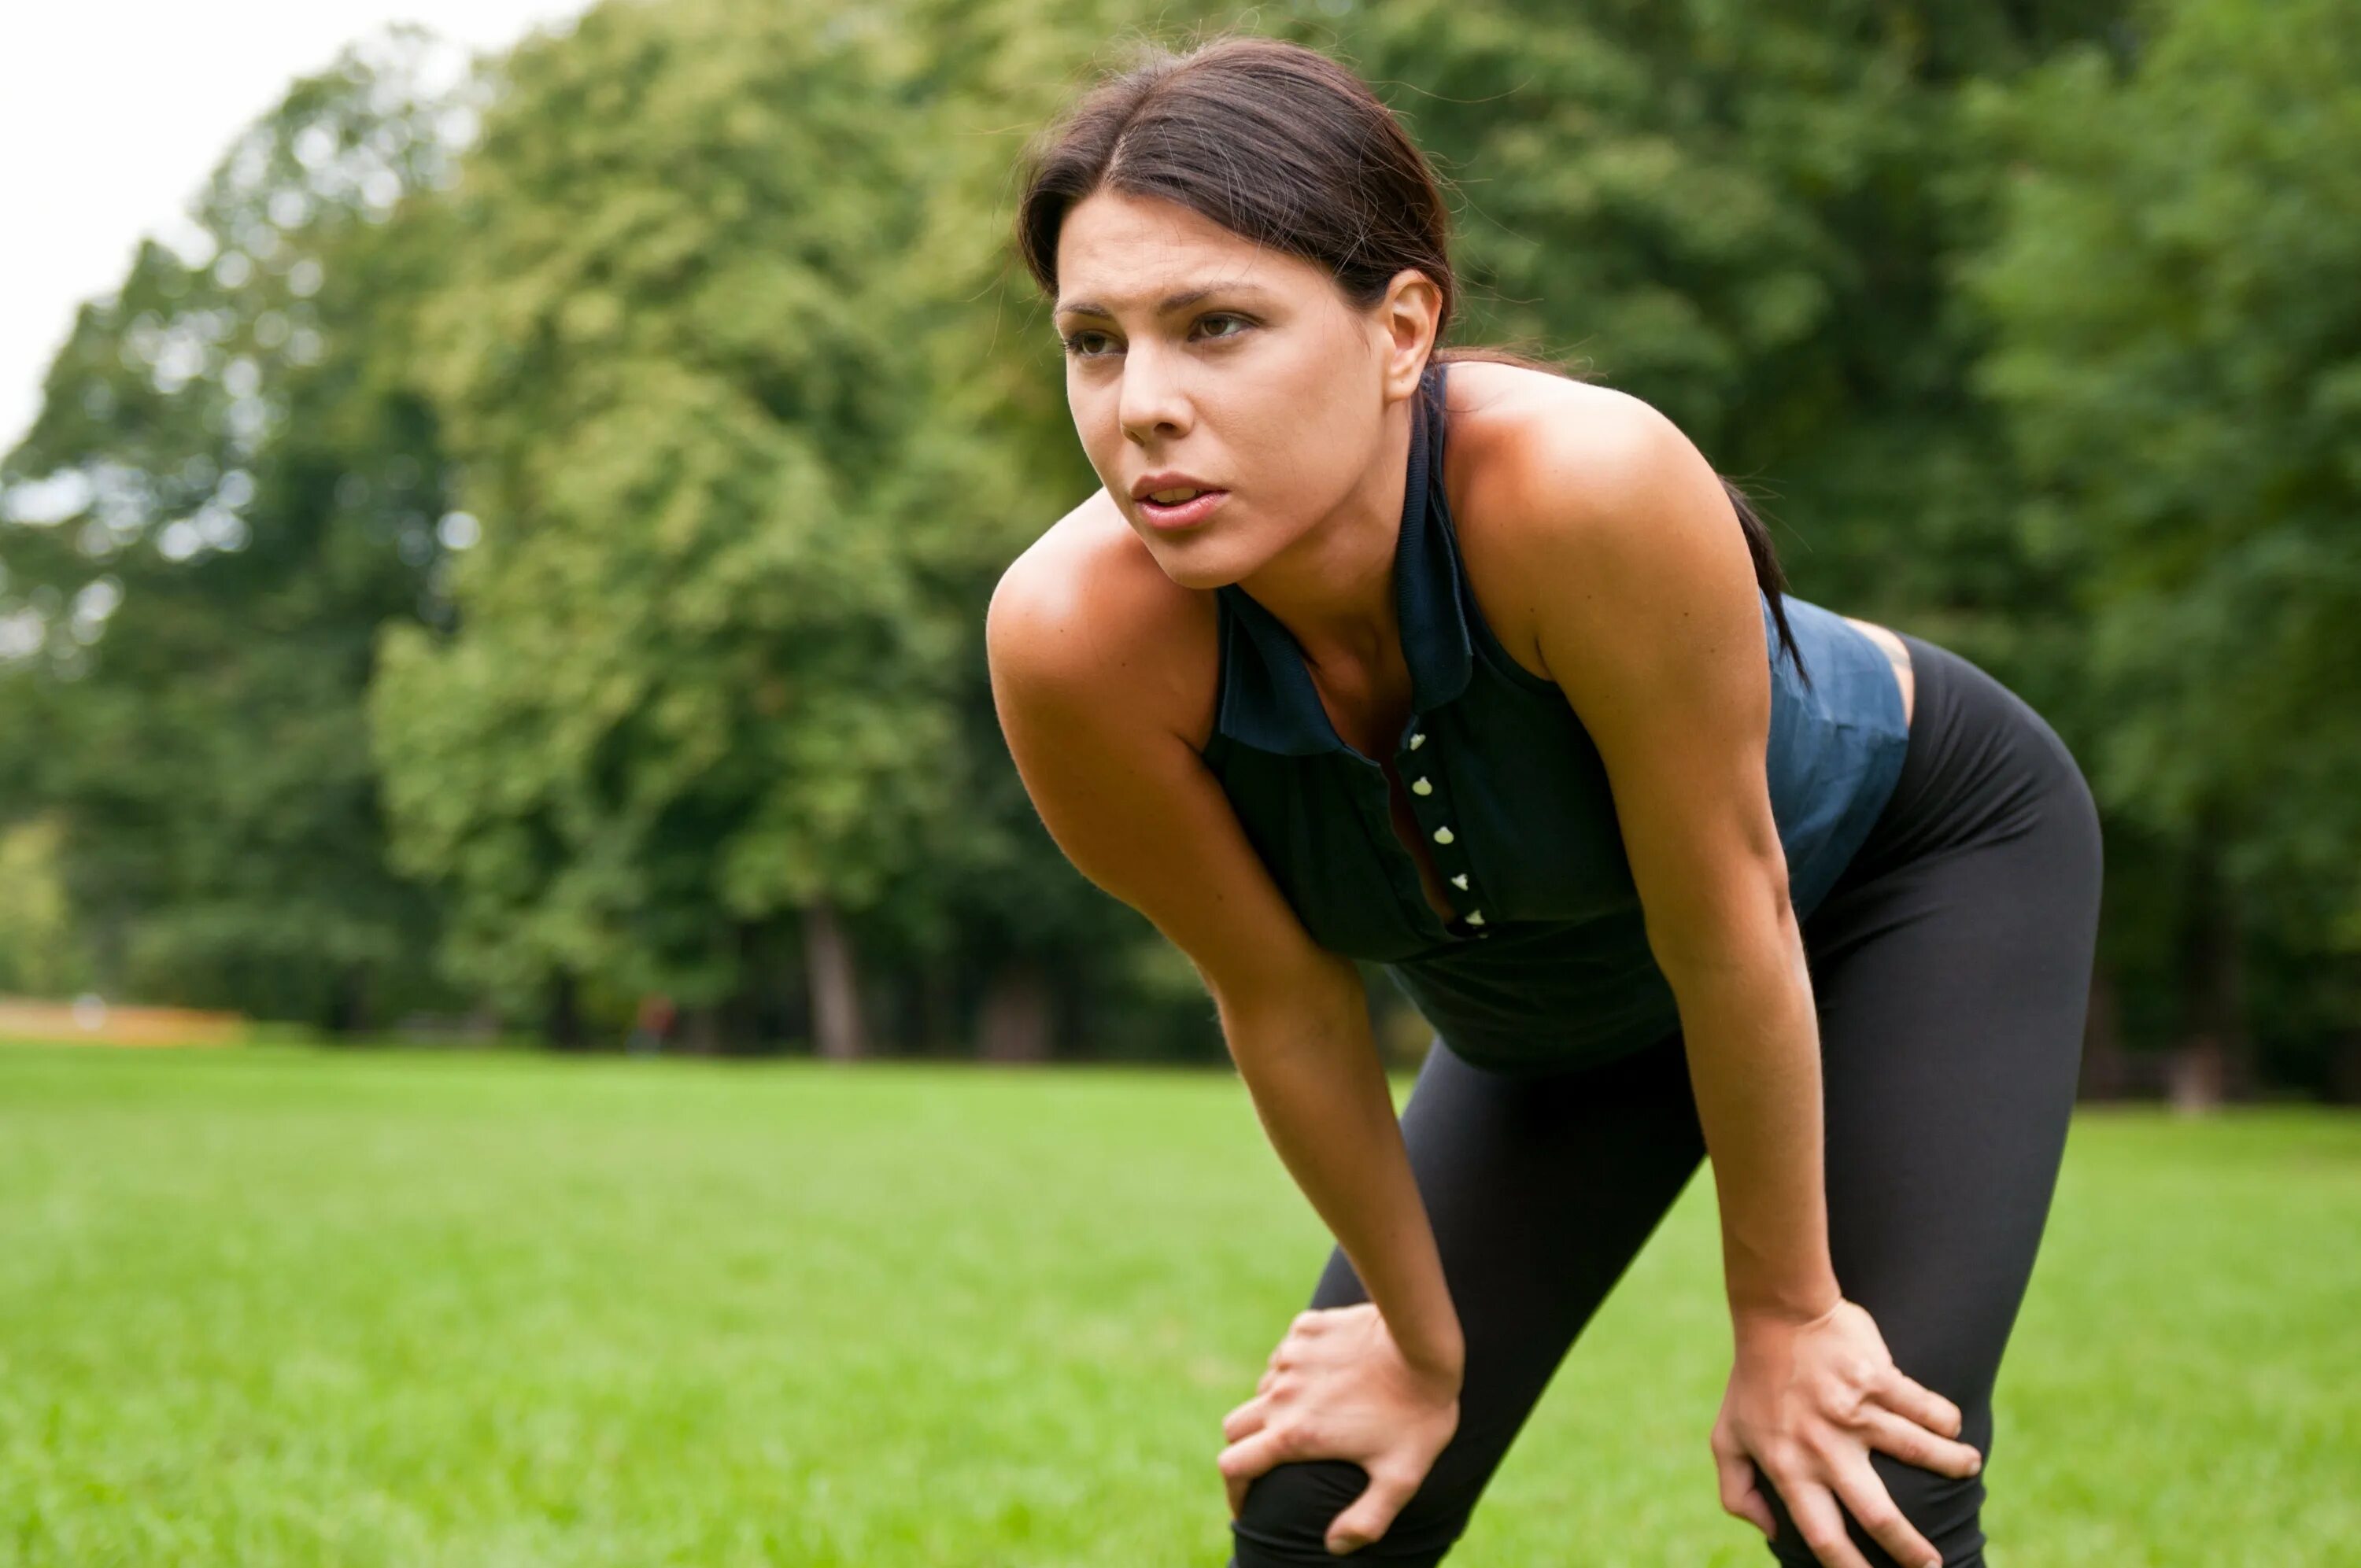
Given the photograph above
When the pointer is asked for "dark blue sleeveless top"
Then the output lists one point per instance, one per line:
(1545, 961)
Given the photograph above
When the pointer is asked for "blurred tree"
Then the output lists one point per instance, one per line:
(38, 956)
(2179, 352)
(654, 479)
(219, 500)
(704, 671)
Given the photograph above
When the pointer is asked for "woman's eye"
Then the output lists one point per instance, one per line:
(1086, 343)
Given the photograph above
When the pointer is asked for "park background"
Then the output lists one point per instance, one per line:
(510, 574)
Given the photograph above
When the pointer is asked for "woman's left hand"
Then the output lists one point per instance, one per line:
(1339, 1388)
(1807, 1402)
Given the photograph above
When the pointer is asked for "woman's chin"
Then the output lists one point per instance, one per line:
(1196, 559)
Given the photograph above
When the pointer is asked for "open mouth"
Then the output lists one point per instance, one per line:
(1180, 507)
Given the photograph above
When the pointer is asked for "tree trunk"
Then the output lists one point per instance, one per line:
(2344, 1068)
(2214, 1062)
(348, 1002)
(741, 1011)
(1015, 1023)
(939, 1008)
(2106, 1072)
(561, 1018)
(837, 1030)
(700, 1029)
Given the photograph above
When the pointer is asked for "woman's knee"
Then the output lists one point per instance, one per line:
(1948, 1511)
(1285, 1518)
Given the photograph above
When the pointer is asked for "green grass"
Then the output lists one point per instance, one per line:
(281, 1307)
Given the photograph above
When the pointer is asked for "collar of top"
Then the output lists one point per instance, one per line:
(1267, 699)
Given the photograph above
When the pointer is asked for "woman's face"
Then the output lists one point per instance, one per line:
(1191, 351)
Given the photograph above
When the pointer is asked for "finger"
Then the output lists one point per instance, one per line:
(1245, 1459)
(1865, 1492)
(1370, 1516)
(1907, 1396)
(1245, 1419)
(1741, 1493)
(1909, 1442)
(1814, 1509)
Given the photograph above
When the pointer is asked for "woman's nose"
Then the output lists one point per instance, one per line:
(1154, 400)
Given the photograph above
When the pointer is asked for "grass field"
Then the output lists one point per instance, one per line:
(281, 1307)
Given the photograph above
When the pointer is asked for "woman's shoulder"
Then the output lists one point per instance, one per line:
(1085, 605)
(1539, 470)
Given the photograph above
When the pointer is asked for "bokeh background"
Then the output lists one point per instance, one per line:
(492, 675)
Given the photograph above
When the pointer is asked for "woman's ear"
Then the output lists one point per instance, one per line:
(1408, 317)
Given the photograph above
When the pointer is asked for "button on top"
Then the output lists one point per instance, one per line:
(1417, 741)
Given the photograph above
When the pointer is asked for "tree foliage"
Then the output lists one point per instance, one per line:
(221, 499)
(555, 570)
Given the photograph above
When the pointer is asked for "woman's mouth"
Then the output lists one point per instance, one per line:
(1181, 508)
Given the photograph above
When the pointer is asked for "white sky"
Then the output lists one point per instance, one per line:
(112, 113)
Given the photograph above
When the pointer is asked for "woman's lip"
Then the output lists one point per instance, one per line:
(1186, 514)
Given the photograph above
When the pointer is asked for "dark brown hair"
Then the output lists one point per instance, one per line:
(1284, 146)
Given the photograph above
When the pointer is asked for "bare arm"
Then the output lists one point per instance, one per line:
(1660, 641)
(1132, 805)
(1657, 640)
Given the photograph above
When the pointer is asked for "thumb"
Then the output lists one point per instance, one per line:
(1370, 1516)
(1741, 1496)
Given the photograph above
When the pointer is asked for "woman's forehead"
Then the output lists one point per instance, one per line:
(1119, 253)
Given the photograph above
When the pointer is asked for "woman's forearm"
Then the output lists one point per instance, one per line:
(1752, 1040)
(1320, 1092)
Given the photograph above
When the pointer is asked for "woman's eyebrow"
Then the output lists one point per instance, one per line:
(1165, 306)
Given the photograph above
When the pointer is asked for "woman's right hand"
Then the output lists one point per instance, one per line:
(1339, 1388)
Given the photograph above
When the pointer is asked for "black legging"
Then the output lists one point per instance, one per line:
(1951, 967)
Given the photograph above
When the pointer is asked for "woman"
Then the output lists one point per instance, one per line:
(1675, 865)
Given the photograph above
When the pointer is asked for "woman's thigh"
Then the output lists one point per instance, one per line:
(1541, 1191)
(1951, 969)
